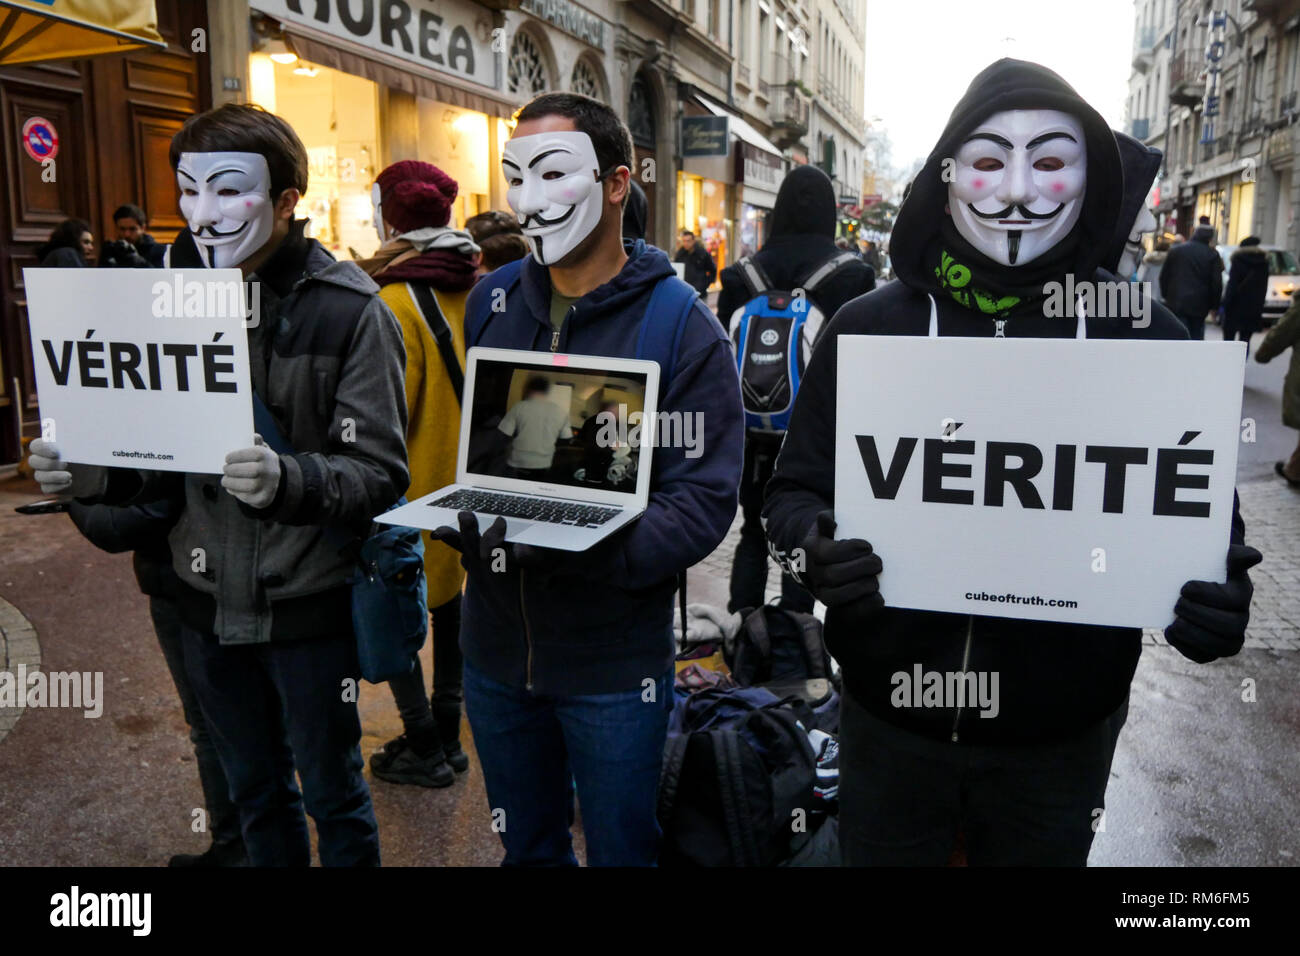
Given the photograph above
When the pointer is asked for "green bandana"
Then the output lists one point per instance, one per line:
(954, 278)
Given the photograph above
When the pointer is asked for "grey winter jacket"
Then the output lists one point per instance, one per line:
(328, 363)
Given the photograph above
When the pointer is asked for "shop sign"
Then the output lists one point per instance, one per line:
(759, 168)
(436, 34)
(704, 136)
(570, 18)
(1214, 51)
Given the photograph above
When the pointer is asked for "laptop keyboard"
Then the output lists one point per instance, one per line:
(531, 509)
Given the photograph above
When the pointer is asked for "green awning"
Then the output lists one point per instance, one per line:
(37, 30)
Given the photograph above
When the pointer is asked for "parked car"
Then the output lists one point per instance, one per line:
(1283, 279)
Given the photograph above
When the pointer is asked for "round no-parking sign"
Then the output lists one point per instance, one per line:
(40, 139)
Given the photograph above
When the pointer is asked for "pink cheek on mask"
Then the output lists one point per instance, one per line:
(1058, 187)
(977, 184)
(248, 204)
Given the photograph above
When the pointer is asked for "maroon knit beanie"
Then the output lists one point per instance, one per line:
(415, 195)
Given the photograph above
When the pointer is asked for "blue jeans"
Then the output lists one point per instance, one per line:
(223, 817)
(271, 709)
(532, 748)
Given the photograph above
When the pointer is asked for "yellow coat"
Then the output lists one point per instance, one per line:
(432, 420)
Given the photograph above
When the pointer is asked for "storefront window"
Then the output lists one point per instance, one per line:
(1243, 212)
(701, 208)
(456, 141)
(337, 117)
(753, 229)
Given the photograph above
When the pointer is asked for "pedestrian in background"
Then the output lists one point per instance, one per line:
(636, 211)
(700, 267)
(1243, 298)
(1286, 335)
(499, 238)
(1191, 280)
(133, 248)
(1152, 265)
(71, 245)
(801, 238)
(425, 270)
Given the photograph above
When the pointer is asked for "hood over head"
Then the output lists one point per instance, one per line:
(925, 248)
(1141, 165)
(635, 212)
(805, 205)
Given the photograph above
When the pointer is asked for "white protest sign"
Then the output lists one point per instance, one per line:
(1048, 479)
(141, 368)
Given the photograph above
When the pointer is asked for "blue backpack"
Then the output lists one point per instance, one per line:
(773, 335)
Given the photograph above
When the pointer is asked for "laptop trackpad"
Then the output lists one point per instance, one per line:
(514, 526)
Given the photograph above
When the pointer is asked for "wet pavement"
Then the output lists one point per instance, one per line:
(1206, 772)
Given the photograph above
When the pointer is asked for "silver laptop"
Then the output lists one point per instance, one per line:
(552, 443)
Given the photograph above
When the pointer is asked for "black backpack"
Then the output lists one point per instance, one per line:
(777, 645)
(736, 778)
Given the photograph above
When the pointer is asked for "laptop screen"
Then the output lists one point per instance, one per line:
(572, 425)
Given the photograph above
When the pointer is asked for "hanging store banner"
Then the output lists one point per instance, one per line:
(450, 36)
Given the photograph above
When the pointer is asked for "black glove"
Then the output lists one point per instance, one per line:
(840, 573)
(476, 551)
(1210, 619)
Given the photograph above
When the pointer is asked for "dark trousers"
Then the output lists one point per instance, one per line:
(223, 816)
(749, 563)
(1195, 326)
(533, 748)
(904, 798)
(273, 708)
(414, 706)
(1233, 330)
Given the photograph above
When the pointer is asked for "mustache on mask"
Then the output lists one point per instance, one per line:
(1025, 213)
(214, 234)
(538, 221)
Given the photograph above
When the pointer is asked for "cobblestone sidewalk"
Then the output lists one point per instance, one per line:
(18, 646)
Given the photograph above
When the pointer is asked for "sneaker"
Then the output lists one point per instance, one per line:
(399, 763)
(457, 759)
(219, 854)
(1281, 471)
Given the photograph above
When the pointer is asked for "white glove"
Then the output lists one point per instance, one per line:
(58, 477)
(252, 474)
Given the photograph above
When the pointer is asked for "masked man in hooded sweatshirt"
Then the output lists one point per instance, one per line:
(569, 655)
(266, 618)
(1024, 787)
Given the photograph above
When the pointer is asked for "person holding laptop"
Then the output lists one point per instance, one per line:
(569, 654)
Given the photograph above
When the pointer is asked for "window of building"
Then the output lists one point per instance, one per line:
(640, 114)
(586, 81)
(526, 68)
(336, 115)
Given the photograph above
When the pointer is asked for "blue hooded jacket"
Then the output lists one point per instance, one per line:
(600, 621)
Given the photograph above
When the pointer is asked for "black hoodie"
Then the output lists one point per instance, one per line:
(1141, 163)
(800, 237)
(1055, 679)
